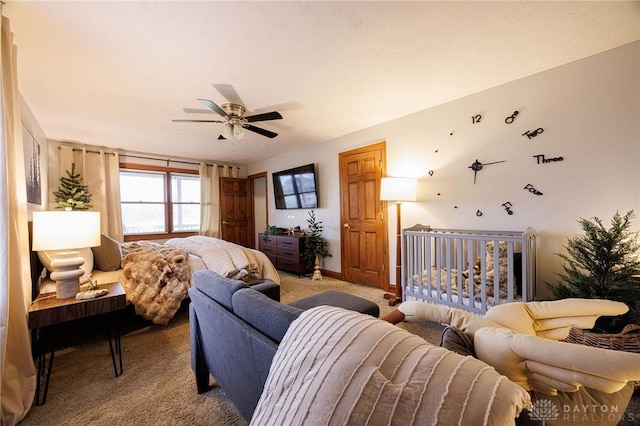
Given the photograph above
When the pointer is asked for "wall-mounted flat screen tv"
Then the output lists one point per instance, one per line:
(296, 188)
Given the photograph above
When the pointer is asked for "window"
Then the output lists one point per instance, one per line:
(159, 202)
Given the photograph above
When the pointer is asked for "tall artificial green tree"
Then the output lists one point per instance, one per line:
(599, 265)
(71, 193)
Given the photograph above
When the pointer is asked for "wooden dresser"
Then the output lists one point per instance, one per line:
(285, 252)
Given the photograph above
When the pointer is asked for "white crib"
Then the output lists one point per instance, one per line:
(470, 270)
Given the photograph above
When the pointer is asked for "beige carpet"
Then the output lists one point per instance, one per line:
(157, 387)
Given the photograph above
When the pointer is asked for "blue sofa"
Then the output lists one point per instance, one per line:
(235, 330)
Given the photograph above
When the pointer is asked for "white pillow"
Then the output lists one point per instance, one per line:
(47, 256)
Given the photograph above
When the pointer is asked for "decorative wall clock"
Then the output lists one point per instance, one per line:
(477, 165)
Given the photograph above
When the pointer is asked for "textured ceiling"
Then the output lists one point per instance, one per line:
(116, 73)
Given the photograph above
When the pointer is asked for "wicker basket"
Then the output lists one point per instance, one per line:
(627, 340)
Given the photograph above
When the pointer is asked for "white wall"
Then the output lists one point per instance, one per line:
(590, 113)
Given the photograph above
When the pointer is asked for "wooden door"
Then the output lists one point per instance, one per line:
(364, 226)
(236, 211)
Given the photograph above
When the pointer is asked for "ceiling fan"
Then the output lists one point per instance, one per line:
(234, 119)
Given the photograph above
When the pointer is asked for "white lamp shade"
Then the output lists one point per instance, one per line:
(62, 230)
(398, 189)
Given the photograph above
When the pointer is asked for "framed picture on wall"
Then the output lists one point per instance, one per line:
(33, 166)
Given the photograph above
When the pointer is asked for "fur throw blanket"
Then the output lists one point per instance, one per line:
(156, 278)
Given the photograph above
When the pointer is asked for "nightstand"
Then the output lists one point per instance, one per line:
(46, 312)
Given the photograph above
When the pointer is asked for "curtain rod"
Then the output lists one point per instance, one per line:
(143, 158)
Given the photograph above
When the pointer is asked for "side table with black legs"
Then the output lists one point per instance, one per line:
(46, 312)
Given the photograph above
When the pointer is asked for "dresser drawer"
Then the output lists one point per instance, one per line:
(289, 247)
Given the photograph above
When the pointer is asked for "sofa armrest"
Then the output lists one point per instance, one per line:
(269, 317)
(217, 287)
(268, 288)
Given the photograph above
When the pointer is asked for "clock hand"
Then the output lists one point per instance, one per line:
(477, 166)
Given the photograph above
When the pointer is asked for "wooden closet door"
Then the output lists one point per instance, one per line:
(365, 257)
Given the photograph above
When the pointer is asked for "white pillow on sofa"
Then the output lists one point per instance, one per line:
(47, 256)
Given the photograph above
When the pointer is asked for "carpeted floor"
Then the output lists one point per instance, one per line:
(158, 387)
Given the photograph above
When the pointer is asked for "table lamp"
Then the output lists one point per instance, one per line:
(398, 189)
(65, 232)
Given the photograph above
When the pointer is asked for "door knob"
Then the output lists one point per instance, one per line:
(346, 225)
(224, 222)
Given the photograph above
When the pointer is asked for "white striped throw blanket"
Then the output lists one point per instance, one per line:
(339, 367)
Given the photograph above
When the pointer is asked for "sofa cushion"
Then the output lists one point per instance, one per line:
(217, 287)
(108, 255)
(336, 366)
(339, 299)
(269, 317)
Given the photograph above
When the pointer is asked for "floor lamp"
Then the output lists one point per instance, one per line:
(397, 189)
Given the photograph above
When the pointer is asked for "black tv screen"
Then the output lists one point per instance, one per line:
(296, 188)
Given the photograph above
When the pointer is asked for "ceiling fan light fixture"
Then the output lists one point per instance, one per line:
(227, 130)
(238, 131)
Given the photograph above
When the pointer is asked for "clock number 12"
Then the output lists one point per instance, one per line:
(476, 118)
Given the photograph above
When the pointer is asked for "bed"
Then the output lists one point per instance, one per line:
(468, 269)
(157, 276)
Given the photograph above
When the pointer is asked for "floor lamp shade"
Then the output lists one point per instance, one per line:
(398, 189)
(65, 232)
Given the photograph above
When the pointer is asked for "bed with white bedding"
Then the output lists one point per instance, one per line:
(156, 276)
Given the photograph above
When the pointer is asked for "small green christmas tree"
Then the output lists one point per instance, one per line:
(600, 265)
(71, 193)
(314, 243)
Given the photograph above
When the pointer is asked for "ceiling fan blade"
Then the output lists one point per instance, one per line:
(197, 121)
(285, 106)
(214, 107)
(229, 93)
(273, 115)
(263, 132)
(197, 111)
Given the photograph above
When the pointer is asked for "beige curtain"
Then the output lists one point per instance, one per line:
(100, 171)
(16, 364)
(210, 196)
(209, 200)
